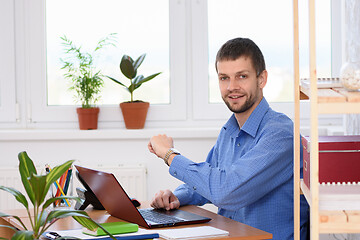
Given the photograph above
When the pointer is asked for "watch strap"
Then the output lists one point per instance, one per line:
(168, 154)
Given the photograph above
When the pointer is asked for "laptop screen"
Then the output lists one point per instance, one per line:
(111, 195)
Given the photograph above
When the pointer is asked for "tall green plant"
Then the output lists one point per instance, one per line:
(129, 68)
(86, 81)
(37, 187)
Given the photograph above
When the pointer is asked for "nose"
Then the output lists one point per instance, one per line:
(233, 84)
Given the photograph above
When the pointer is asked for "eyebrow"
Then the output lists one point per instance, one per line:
(239, 72)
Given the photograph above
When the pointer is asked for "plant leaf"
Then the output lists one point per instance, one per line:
(86, 222)
(23, 235)
(13, 216)
(26, 169)
(80, 216)
(118, 82)
(127, 68)
(132, 87)
(57, 214)
(56, 173)
(138, 79)
(11, 227)
(139, 61)
(108, 40)
(17, 194)
(146, 79)
(91, 224)
(38, 185)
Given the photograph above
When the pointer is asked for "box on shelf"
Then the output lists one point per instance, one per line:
(339, 159)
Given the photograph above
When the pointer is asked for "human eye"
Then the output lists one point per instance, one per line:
(223, 78)
(242, 76)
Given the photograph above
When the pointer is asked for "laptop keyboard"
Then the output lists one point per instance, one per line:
(157, 217)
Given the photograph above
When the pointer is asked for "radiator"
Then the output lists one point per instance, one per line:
(131, 178)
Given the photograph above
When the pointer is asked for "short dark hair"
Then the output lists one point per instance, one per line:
(238, 47)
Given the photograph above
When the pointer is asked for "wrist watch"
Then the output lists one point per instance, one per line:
(168, 154)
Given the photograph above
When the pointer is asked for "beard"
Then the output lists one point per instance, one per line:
(250, 101)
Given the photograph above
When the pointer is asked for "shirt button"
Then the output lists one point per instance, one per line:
(194, 188)
(175, 173)
(238, 144)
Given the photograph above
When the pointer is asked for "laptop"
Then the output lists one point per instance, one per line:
(118, 204)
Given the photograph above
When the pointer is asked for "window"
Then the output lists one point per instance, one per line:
(50, 107)
(135, 35)
(180, 38)
(272, 31)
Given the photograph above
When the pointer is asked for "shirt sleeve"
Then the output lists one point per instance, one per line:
(188, 196)
(258, 172)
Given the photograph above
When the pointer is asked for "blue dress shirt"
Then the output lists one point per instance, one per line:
(248, 174)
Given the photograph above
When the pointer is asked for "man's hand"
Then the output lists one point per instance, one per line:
(160, 144)
(165, 199)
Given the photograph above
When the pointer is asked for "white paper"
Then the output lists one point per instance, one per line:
(192, 232)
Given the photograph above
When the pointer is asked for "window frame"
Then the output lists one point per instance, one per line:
(8, 107)
(203, 110)
(110, 115)
(23, 62)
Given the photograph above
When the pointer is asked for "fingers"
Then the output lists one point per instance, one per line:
(150, 148)
(174, 202)
(165, 199)
(160, 144)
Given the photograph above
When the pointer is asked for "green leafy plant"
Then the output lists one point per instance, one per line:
(37, 187)
(86, 81)
(129, 68)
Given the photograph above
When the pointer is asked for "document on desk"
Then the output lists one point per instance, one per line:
(140, 234)
(192, 233)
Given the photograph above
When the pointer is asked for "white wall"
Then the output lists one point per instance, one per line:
(105, 147)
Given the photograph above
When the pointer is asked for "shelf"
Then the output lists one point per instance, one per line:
(333, 208)
(335, 197)
(339, 108)
(339, 207)
(333, 95)
(339, 221)
(334, 100)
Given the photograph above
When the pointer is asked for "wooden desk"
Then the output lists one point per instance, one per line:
(236, 229)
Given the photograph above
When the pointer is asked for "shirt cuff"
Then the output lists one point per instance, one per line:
(183, 195)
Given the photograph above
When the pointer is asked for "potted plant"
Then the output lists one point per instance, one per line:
(134, 112)
(37, 187)
(86, 81)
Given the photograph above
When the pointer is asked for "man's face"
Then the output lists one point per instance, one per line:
(239, 86)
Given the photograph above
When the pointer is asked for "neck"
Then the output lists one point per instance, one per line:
(239, 121)
(242, 117)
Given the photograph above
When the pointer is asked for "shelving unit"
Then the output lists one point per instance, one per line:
(333, 208)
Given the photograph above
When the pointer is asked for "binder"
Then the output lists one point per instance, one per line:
(113, 228)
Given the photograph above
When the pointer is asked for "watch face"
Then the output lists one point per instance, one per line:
(175, 151)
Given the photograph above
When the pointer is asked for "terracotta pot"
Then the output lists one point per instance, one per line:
(88, 118)
(134, 114)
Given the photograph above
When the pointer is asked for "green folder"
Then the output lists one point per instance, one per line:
(113, 228)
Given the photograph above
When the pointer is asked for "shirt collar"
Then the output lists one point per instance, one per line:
(252, 123)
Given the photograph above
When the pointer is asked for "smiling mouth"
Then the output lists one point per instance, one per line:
(235, 97)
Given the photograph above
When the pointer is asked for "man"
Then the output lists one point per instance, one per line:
(248, 174)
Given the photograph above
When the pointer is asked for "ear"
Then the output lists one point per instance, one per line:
(262, 79)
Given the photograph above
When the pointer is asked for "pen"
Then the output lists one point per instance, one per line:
(58, 186)
(67, 181)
